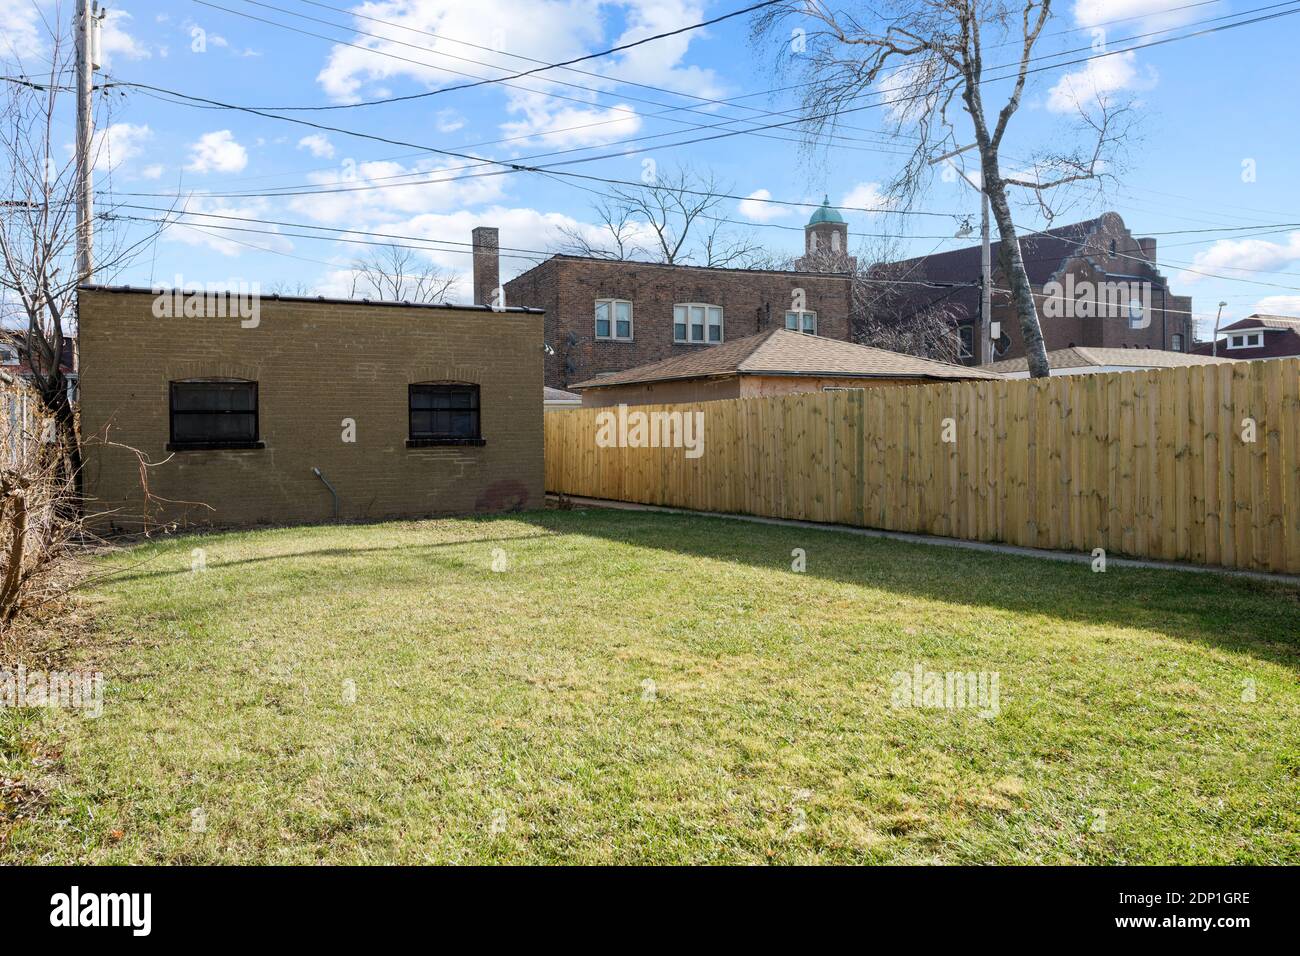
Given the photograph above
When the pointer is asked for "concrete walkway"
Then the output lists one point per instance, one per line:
(934, 540)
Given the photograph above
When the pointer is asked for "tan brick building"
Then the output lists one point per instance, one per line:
(406, 410)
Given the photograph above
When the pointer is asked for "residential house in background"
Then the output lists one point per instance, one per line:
(15, 361)
(605, 315)
(555, 399)
(1086, 360)
(307, 409)
(774, 362)
(1257, 337)
(1095, 285)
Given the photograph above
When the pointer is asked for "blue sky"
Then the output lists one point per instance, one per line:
(1215, 150)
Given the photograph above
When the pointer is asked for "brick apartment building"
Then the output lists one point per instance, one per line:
(607, 315)
(1063, 264)
(396, 409)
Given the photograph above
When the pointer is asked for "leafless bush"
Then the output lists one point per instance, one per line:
(39, 522)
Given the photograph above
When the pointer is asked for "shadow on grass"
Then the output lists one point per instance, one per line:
(1232, 613)
(337, 552)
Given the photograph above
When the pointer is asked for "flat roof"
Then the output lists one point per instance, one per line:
(325, 300)
(639, 263)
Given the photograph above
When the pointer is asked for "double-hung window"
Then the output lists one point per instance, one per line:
(966, 334)
(444, 413)
(214, 413)
(801, 322)
(614, 319)
(697, 323)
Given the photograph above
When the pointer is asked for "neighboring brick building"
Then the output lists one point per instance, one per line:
(1255, 337)
(606, 315)
(443, 403)
(1062, 263)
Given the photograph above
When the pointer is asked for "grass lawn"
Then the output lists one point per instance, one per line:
(639, 687)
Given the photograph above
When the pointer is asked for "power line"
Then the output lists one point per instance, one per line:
(510, 166)
(660, 114)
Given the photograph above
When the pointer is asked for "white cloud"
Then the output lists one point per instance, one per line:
(318, 144)
(423, 186)
(1090, 13)
(115, 41)
(1098, 81)
(448, 121)
(1253, 255)
(521, 228)
(227, 242)
(120, 142)
(217, 152)
(153, 171)
(574, 28)
(574, 125)
(866, 196)
(23, 33)
(752, 207)
(1278, 305)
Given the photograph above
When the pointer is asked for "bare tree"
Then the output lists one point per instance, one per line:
(38, 228)
(672, 219)
(285, 287)
(890, 308)
(923, 55)
(399, 274)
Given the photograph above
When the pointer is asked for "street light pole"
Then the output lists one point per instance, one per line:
(1214, 349)
(986, 283)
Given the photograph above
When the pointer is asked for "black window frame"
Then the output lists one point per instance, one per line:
(966, 341)
(173, 444)
(434, 439)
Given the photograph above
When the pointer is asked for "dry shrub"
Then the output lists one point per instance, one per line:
(39, 519)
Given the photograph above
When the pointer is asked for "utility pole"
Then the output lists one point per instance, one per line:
(984, 350)
(88, 19)
(986, 284)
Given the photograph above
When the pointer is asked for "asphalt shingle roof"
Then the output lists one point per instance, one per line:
(781, 352)
(1083, 356)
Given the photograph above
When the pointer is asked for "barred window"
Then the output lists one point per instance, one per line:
(214, 413)
(444, 412)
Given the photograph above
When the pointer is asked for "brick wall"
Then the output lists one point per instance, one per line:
(1095, 262)
(316, 363)
(752, 301)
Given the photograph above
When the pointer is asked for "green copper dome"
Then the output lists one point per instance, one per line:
(825, 213)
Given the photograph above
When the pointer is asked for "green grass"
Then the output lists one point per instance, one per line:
(770, 737)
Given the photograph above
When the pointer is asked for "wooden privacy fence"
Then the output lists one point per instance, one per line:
(1196, 464)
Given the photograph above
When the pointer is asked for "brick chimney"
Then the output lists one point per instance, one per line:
(487, 264)
(1148, 247)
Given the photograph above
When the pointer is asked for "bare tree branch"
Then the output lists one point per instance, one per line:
(923, 55)
(399, 274)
